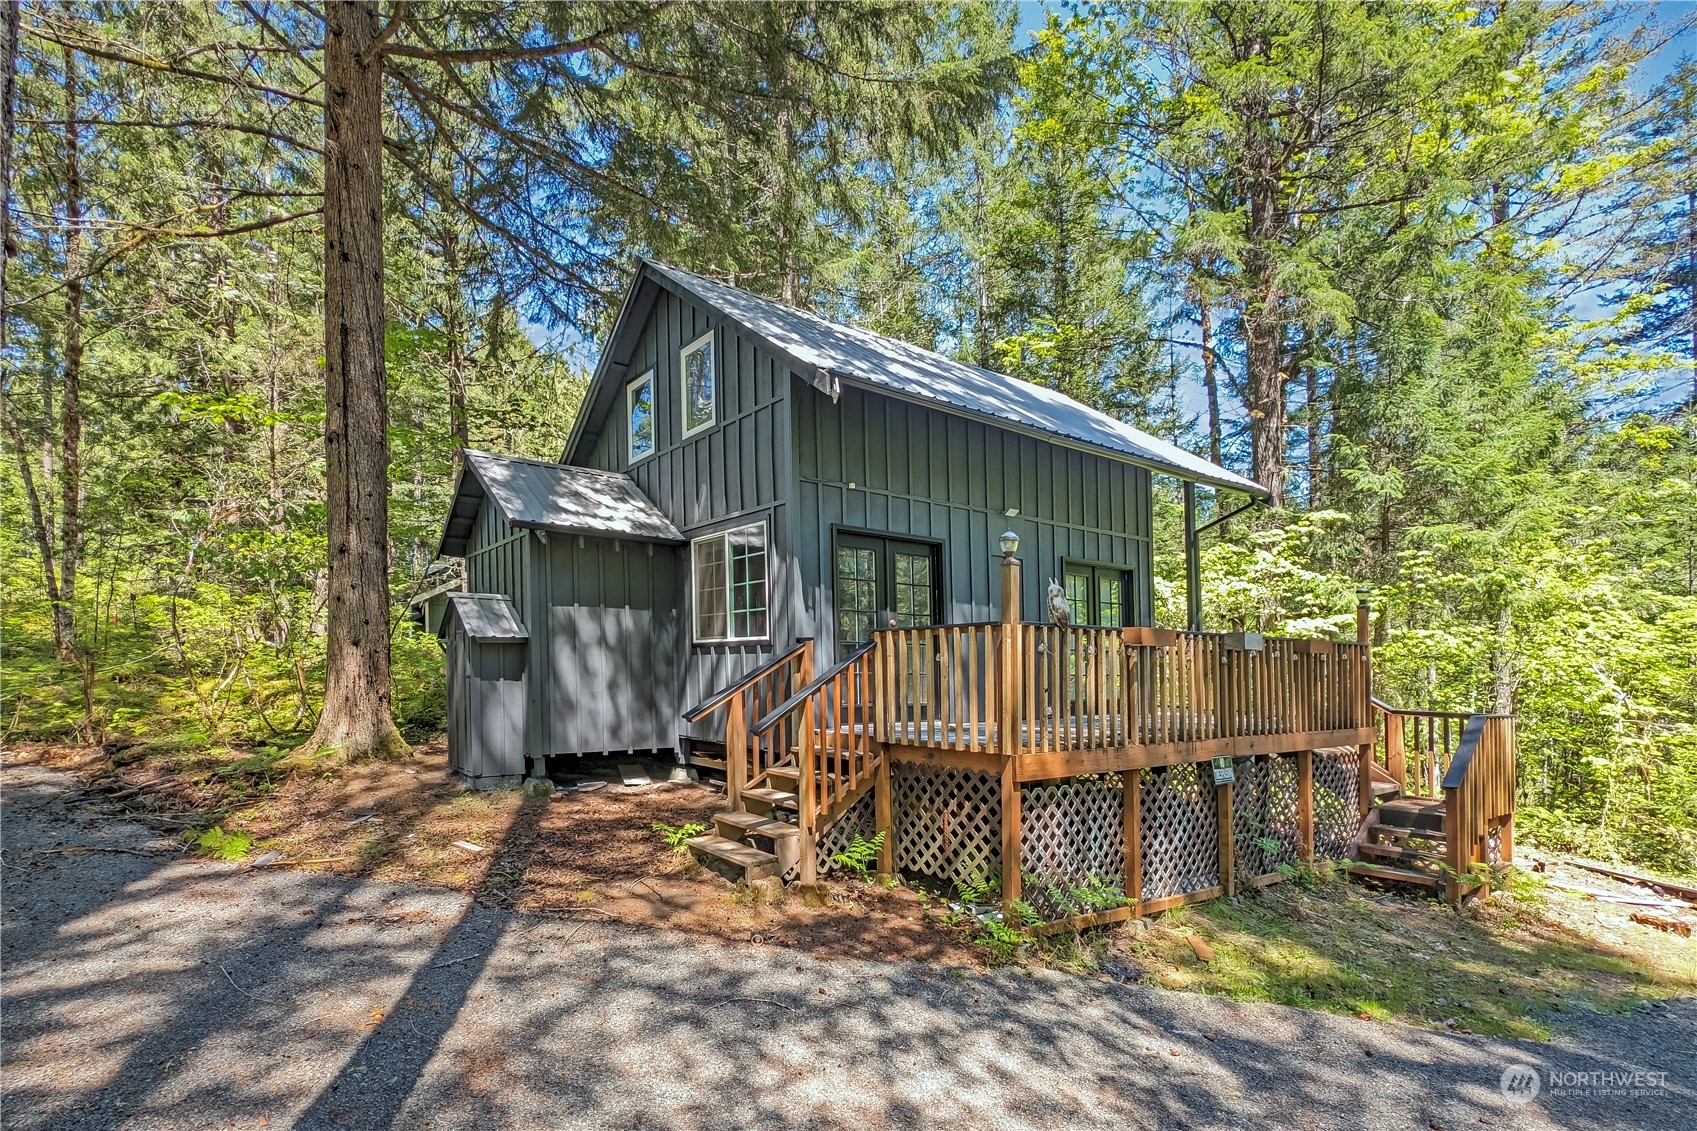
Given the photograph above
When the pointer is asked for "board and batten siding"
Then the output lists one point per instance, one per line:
(937, 477)
(610, 645)
(498, 559)
(738, 471)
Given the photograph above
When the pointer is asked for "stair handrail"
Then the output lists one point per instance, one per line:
(1479, 796)
(719, 698)
(776, 715)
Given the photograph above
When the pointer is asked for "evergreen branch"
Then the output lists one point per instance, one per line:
(95, 51)
(181, 124)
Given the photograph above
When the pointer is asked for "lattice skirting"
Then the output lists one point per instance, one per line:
(1265, 810)
(1072, 834)
(948, 822)
(861, 820)
(1337, 812)
(1180, 831)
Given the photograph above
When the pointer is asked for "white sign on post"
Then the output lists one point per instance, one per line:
(1223, 772)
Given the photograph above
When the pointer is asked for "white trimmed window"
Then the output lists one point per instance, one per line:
(639, 415)
(700, 384)
(729, 570)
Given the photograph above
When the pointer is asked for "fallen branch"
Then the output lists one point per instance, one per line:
(244, 993)
(1611, 897)
(1681, 890)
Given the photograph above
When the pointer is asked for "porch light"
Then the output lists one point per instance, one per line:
(1362, 592)
(1010, 544)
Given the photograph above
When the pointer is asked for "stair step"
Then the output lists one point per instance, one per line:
(1394, 833)
(1413, 813)
(764, 801)
(733, 859)
(753, 824)
(1384, 789)
(1392, 852)
(1401, 875)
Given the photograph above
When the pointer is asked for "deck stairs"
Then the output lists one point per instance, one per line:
(762, 836)
(1401, 839)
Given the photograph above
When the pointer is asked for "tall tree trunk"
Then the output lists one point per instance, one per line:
(454, 329)
(356, 720)
(70, 392)
(1691, 281)
(1314, 462)
(1210, 379)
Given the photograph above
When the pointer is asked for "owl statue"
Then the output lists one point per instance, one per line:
(1059, 611)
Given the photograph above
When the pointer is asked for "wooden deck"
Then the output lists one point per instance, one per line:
(1024, 707)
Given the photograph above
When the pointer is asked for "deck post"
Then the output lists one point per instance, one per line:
(1011, 890)
(1228, 842)
(884, 818)
(1192, 562)
(1305, 804)
(736, 752)
(804, 800)
(1131, 782)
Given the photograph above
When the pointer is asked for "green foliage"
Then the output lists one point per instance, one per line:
(220, 845)
(1000, 939)
(677, 837)
(860, 855)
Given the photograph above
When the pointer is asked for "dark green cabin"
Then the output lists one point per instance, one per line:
(743, 474)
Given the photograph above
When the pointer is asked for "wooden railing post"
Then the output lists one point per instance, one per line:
(805, 816)
(1363, 693)
(736, 751)
(1396, 749)
(1458, 845)
(1010, 666)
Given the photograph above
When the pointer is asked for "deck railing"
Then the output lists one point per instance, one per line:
(750, 697)
(1418, 746)
(1029, 688)
(1479, 798)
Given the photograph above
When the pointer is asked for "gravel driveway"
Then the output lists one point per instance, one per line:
(143, 991)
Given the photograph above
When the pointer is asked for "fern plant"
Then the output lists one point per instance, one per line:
(677, 837)
(860, 854)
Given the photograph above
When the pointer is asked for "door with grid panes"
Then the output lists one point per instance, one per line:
(886, 583)
(883, 583)
(1096, 594)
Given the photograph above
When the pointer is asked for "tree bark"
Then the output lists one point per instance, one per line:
(70, 392)
(454, 329)
(1315, 465)
(356, 720)
(1210, 380)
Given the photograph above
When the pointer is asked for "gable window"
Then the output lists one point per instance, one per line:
(730, 585)
(1096, 594)
(639, 413)
(699, 384)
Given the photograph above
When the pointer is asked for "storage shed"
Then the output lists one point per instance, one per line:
(487, 647)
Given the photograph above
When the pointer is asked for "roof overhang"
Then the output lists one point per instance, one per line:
(488, 618)
(550, 497)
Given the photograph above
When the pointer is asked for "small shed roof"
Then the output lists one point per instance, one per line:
(837, 352)
(488, 618)
(535, 495)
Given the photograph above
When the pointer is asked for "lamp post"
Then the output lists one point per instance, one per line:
(1010, 677)
(1362, 613)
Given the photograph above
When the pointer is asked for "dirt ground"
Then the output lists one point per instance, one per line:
(585, 854)
(1510, 966)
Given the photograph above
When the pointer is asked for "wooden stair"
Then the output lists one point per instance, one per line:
(1385, 848)
(762, 838)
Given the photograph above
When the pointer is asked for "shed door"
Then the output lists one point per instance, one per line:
(883, 583)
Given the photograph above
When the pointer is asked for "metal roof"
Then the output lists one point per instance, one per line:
(488, 618)
(836, 352)
(532, 494)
